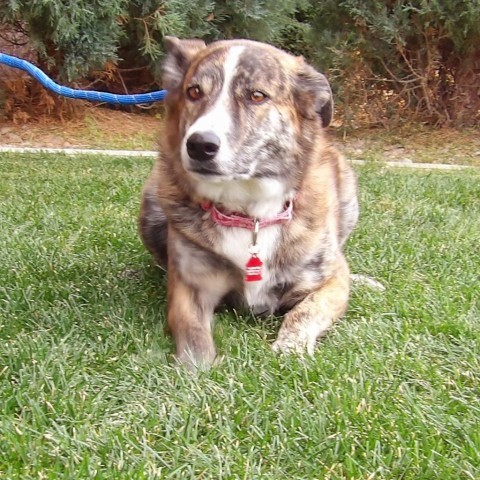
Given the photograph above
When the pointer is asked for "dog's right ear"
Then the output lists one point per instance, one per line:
(179, 55)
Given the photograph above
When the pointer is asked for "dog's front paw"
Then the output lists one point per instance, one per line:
(196, 360)
(298, 342)
(195, 349)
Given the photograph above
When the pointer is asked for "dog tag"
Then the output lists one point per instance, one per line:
(253, 268)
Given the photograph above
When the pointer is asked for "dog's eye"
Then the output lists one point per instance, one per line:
(194, 93)
(257, 96)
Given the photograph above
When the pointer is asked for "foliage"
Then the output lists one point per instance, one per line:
(74, 37)
(390, 61)
(404, 58)
(120, 49)
(71, 37)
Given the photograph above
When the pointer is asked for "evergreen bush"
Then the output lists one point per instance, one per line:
(403, 59)
(389, 61)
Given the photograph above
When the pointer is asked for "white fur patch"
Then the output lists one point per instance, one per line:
(218, 118)
(259, 198)
(235, 245)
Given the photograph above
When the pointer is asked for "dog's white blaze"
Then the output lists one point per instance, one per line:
(235, 246)
(218, 119)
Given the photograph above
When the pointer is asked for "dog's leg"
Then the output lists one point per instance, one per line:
(189, 320)
(312, 317)
(195, 287)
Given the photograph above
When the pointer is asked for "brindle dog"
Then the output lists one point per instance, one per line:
(245, 174)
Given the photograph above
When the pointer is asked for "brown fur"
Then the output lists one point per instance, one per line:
(308, 274)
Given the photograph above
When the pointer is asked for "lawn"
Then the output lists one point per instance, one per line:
(88, 389)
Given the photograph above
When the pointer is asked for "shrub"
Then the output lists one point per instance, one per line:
(389, 61)
(401, 59)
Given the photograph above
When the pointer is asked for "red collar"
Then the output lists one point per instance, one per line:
(236, 219)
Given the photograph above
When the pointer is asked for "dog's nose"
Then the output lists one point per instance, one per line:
(203, 146)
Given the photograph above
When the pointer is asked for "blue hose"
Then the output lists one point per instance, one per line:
(89, 95)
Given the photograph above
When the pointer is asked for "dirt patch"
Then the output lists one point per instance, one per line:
(96, 128)
(414, 144)
(105, 128)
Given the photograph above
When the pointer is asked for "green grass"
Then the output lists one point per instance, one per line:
(88, 390)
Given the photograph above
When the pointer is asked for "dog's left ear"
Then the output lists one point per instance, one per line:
(314, 94)
(180, 53)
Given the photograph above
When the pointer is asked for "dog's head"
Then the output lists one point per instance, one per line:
(242, 110)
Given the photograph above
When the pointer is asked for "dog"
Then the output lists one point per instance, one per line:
(248, 202)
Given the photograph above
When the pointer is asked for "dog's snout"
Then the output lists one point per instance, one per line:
(203, 146)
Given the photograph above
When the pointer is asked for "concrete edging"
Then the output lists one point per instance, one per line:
(80, 151)
(153, 154)
(426, 166)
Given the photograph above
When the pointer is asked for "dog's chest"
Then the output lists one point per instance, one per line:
(236, 245)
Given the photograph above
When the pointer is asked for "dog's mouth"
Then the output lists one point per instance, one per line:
(202, 173)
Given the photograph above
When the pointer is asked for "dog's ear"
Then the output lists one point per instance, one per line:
(179, 55)
(314, 94)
